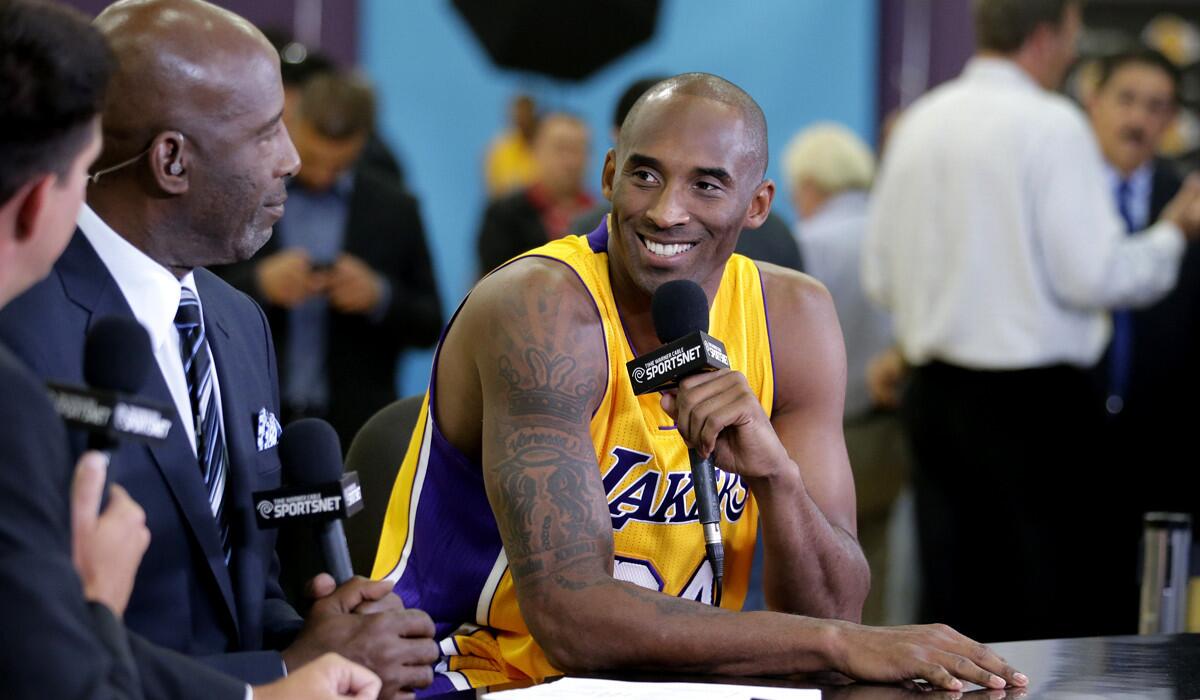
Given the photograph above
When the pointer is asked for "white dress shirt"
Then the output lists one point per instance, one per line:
(993, 235)
(153, 292)
(831, 245)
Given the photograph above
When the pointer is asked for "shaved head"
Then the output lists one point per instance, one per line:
(178, 66)
(712, 87)
(196, 155)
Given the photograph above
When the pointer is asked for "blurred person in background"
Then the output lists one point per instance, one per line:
(1149, 374)
(772, 242)
(828, 171)
(346, 280)
(510, 163)
(297, 65)
(994, 241)
(534, 215)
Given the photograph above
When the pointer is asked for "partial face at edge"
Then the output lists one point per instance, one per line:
(66, 197)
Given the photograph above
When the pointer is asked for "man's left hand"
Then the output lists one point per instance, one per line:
(353, 287)
(719, 416)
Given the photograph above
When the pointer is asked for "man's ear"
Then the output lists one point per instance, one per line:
(30, 204)
(609, 173)
(169, 162)
(760, 204)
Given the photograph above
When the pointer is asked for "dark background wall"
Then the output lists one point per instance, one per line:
(330, 24)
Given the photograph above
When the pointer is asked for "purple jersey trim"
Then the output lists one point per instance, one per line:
(598, 239)
(762, 284)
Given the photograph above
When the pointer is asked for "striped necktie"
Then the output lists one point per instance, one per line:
(206, 410)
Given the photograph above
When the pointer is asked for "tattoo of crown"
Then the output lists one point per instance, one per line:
(547, 390)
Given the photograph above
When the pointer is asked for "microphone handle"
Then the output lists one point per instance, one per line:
(336, 551)
(105, 444)
(704, 486)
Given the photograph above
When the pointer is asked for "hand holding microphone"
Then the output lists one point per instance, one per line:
(362, 620)
(108, 540)
(715, 410)
(106, 546)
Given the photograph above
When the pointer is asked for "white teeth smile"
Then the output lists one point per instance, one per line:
(667, 251)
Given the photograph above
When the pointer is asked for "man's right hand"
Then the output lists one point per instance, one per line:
(107, 547)
(886, 373)
(286, 278)
(1184, 208)
(936, 653)
(394, 642)
(328, 677)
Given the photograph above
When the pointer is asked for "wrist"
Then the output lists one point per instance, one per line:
(831, 642)
(782, 479)
(109, 600)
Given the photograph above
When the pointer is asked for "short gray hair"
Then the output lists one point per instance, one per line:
(831, 157)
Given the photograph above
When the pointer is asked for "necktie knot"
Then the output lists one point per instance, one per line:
(188, 316)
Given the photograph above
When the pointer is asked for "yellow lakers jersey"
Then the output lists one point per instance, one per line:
(440, 544)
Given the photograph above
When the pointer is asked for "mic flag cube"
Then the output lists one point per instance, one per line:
(662, 369)
(334, 500)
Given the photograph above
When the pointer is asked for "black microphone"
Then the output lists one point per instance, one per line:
(319, 493)
(116, 361)
(680, 312)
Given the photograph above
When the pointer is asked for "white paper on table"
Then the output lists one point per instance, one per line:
(598, 689)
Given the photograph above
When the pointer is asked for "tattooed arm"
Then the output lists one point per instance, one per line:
(533, 339)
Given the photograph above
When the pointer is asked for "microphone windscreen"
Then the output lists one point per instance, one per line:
(678, 307)
(310, 452)
(117, 355)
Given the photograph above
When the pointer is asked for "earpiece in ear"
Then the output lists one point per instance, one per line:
(175, 169)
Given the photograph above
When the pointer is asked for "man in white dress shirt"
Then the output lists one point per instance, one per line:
(994, 241)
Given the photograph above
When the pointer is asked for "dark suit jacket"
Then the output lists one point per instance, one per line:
(511, 225)
(185, 598)
(383, 228)
(56, 644)
(1154, 431)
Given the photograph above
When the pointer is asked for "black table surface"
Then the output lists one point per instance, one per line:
(1163, 667)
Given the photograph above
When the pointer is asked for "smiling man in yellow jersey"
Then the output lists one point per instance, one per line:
(543, 515)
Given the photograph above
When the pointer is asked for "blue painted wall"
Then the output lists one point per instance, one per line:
(442, 101)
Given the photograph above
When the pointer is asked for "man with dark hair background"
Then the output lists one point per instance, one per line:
(528, 217)
(1149, 374)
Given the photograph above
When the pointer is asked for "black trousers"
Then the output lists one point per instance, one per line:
(1023, 533)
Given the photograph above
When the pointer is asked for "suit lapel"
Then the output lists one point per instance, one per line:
(88, 283)
(231, 359)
